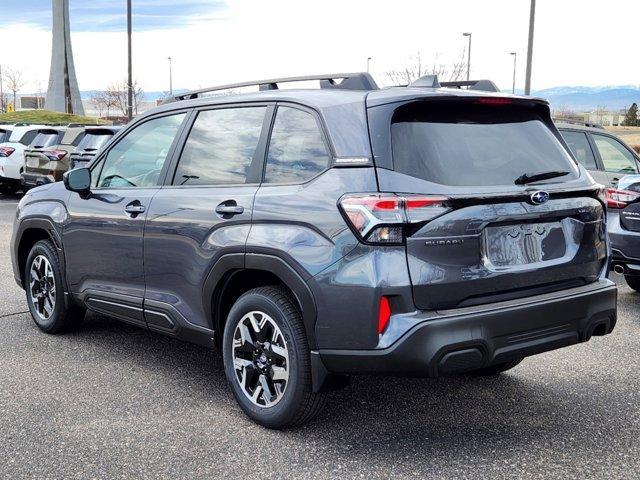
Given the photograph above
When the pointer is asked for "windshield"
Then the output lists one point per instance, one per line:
(475, 145)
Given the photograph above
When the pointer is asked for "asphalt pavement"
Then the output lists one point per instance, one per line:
(112, 401)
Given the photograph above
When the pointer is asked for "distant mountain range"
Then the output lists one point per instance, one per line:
(585, 99)
(579, 99)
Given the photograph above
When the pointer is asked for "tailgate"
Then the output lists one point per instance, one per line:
(493, 252)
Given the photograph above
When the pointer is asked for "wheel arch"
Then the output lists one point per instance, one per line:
(234, 274)
(31, 231)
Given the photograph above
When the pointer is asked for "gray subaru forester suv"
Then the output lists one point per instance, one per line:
(311, 235)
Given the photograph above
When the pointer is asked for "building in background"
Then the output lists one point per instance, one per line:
(63, 94)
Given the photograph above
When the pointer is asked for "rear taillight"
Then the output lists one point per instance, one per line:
(382, 218)
(620, 198)
(6, 151)
(54, 155)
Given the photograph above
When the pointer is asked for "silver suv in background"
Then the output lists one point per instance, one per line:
(615, 165)
(94, 139)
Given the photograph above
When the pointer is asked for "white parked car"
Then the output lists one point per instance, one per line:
(14, 140)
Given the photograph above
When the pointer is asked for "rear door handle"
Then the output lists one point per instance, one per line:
(134, 208)
(223, 209)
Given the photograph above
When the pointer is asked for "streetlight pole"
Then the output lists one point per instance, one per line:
(368, 62)
(170, 78)
(532, 16)
(130, 66)
(1, 92)
(515, 58)
(467, 34)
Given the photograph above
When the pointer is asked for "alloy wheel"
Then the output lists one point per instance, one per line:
(42, 287)
(260, 359)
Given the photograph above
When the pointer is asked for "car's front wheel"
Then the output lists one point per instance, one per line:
(43, 284)
(267, 359)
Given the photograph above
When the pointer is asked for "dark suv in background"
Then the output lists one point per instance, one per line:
(316, 234)
(610, 162)
(93, 140)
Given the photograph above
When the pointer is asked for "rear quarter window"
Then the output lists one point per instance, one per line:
(474, 145)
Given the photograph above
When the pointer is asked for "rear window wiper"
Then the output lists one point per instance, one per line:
(535, 177)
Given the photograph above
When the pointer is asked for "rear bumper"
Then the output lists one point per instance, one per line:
(625, 245)
(31, 180)
(467, 339)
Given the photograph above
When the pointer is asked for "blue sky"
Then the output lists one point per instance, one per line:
(110, 15)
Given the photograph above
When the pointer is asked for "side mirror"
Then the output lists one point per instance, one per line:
(630, 182)
(78, 180)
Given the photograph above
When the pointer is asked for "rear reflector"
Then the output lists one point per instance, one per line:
(384, 314)
(620, 198)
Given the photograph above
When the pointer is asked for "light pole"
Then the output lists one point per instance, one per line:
(467, 34)
(130, 67)
(532, 16)
(368, 62)
(515, 59)
(1, 92)
(170, 78)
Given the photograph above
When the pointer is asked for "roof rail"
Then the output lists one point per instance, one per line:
(432, 81)
(350, 81)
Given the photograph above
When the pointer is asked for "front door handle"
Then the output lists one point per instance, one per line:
(134, 208)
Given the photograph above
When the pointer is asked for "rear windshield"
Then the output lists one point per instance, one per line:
(475, 145)
(4, 135)
(44, 139)
(93, 141)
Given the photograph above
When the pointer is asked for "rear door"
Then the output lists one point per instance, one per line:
(103, 235)
(497, 239)
(203, 211)
(618, 160)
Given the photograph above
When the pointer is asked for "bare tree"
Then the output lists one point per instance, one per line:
(14, 82)
(117, 94)
(416, 69)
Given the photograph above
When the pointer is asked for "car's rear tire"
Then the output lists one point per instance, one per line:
(9, 188)
(45, 297)
(633, 281)
(497, 368)
(267, 359)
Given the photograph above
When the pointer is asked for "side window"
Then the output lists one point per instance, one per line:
(137, 159)
(297, 151)
(581, 149)
(616, 158)
(220, 147)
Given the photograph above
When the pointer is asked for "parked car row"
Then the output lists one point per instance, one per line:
(32, 155)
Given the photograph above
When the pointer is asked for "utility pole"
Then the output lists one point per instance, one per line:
(130, 78)
(2, 107)
(515, 58)
(368, 62)
(170, 78)
(532, 17)
(467, 34)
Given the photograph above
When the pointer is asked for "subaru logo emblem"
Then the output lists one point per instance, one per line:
(539, 197)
